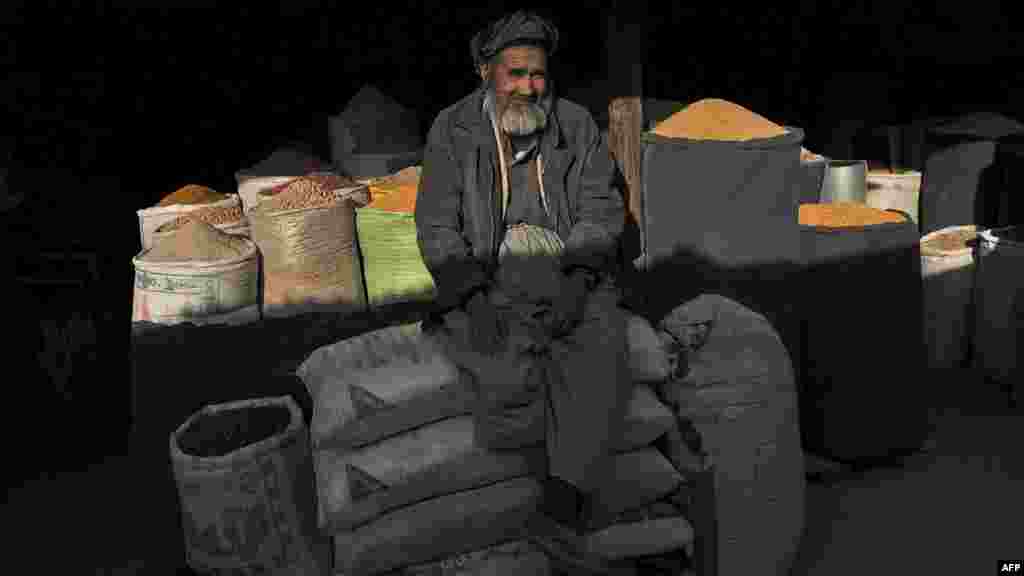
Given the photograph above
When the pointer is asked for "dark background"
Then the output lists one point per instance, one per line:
(108, 110)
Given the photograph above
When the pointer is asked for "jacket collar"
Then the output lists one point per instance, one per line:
(470, 115)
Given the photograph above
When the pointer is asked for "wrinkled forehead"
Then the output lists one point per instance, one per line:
(530, 58)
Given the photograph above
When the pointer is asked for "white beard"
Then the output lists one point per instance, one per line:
(524, 119)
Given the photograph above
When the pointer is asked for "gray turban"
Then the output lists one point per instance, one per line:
(518, 28)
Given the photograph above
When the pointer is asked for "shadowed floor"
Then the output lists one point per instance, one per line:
(954, 510)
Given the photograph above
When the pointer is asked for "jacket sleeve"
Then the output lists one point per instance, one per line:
(446, 251)
(600, 211)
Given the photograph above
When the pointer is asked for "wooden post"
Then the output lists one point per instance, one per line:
(625, 57)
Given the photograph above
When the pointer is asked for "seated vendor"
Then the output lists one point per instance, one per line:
(518, 221)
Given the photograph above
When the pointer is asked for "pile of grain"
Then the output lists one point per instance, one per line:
(714, 119)
(313, 191)
(845, 215)
(396, 193)
(807, 156)
(196, 241)
(192, 194)
(214, 216)
(949, 241)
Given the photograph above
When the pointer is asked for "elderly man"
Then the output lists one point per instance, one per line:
(518, 223)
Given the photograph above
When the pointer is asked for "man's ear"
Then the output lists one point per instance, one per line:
(485, 71)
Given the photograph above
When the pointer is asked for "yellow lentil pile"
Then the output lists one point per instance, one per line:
(715, 119)
(196, 241)
(214, 216)
(192, 194)
(949, 241)
(845, 215)
(313, 191)
(396, 193)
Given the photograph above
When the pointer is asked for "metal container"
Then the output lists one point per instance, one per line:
(845, 181)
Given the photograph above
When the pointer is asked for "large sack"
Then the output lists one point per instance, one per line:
(310, 261)
(397, 378)
(380, 383)
(393, 266)
(653, 529)
(517, 558)
(280, 167)
(961, 185)
(439, 528)
(357, 484)
(740, 396)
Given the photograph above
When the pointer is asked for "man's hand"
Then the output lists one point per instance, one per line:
(567, 309)
(485, 327)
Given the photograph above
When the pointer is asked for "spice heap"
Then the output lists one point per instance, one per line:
(949, 241)
(192, 194)
(396, 193)
(845, 215)
(196, 241)
(313, 191)
(714, 119)
(807, 156)
(214, 216)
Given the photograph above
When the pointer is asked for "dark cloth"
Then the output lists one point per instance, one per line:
(458, 214)
(525, 205)
(583, 383)
(518, 28)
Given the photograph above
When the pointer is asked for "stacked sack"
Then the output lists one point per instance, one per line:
(406, 487)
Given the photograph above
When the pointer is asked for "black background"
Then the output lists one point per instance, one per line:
(107, 110)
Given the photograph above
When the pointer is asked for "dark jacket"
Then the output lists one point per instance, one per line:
(458, 209)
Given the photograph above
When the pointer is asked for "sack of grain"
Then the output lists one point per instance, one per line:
(197, 274)
(358, 484)
(393, 266)
(182, 202)
(439, 528)
(740, 395)
(379, 384)
(358, 480)
(282, 166)
(517, 558)
(306, 234)
(654, 529)
(870, 261)
(948, 273)
(707, 219)
(229, 219)
(397, 378)
(650, 355)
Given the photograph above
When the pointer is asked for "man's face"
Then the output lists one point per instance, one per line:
(519, 81)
